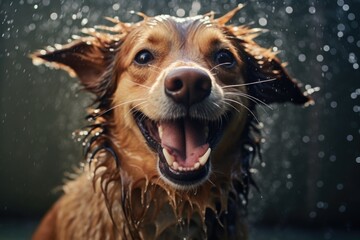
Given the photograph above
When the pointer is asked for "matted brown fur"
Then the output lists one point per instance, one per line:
(120, 194)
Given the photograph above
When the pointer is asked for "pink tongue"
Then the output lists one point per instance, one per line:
(184, 139)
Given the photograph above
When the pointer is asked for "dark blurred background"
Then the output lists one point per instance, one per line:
(310, 178)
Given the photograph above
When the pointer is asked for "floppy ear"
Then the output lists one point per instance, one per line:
(87, 58)
(267, 78)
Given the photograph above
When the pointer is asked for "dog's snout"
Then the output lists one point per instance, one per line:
(187, 86)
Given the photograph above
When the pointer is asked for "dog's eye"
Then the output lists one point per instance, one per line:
(143, 57)
(225, 58)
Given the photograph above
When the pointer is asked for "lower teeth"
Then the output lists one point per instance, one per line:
(175, 165)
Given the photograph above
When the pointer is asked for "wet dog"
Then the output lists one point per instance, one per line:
(173, 131)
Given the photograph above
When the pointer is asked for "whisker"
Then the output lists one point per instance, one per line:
(247, 84)
(216, 105)
(130, 110)
(250, 97)
(213, 184)
(231, 106)
(120, 104)
(237, 102)
(219, 65)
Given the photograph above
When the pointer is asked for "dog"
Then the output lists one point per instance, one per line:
(173, 131)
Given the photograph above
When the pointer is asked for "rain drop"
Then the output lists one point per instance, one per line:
(319, 184)
(116, 6)
(289, 10)
(340, 186)
(263, 22)
(333, 104)
(312, 214)
(342, 208)
(306, 139)
(302, 57)
(349, 138)
(53, 16)
(180, 12)
(312, 10)
(332, 158)
(319, 58)
(345, 7)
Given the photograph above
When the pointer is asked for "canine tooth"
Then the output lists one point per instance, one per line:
(160, 129)
(205, 157)
(196, 165)
(175, 166)
(169, 158)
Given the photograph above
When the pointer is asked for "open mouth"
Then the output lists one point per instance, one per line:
(183, 145)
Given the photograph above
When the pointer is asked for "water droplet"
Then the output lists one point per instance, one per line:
(351, 16)
(326, 48)
(262, 22)
(319, 58)
(312, 214)
(180, 12)
(116, 6)
(312, 10)
(332, 158)
(321, 137)
(350, 39)
(340, 186)
(324, 68)
(289, 10)
(278, 42)
(341, 27)
(306, 139)
(319, 184)
(320, 204)
(302, 57)
(84, 21)
(357, 160)
(349, 137)
(342, 208)
(333, 104)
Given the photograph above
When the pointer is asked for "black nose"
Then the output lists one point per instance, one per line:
(187, 85)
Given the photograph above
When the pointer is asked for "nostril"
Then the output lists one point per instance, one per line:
(203, 84)
(177, 85)
(173, 85)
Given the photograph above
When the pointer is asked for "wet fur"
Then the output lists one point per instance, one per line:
(120, 194)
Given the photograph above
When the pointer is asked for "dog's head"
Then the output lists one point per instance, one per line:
(184, 86)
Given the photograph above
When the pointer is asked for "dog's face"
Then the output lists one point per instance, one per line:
(173, 81)
(180, 89)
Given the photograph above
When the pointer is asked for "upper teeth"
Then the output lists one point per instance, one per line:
(205, 157)
(169, 158)
(160, 129)
(171, 161)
